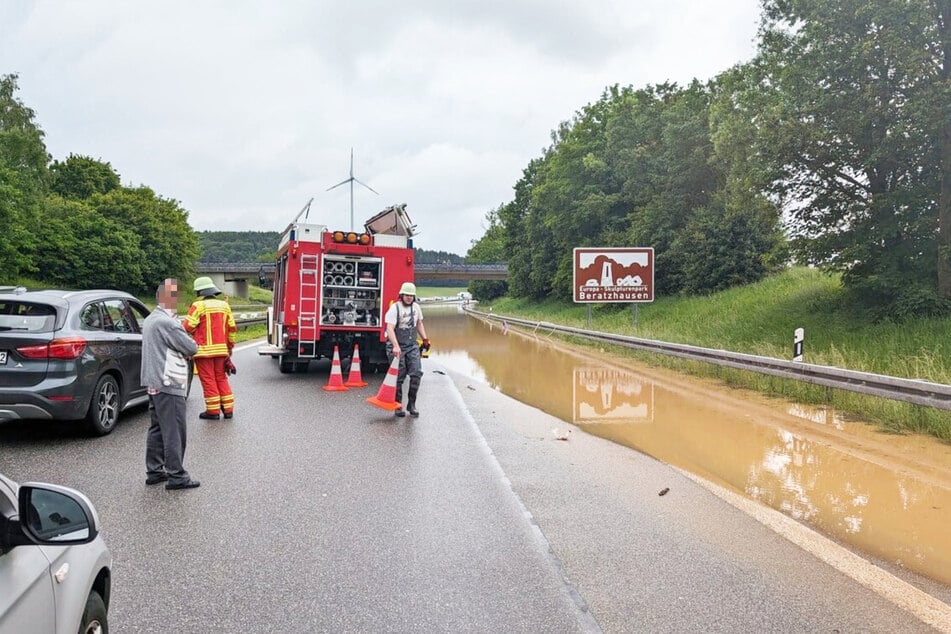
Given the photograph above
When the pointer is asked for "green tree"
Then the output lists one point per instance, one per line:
(694, 201)
(168, 247)
(641, 168)
(662, 144)
(424, 256)
(576, 197)
(81, 177)
(859, 121)
(515, 217)
(720, 249)
(23, 179)
(489, 249)
(238, 246)
(80, 248)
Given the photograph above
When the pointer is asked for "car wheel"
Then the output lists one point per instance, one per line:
(94, 616)
(103, 411)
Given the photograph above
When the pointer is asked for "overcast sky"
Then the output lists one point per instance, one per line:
(242, 111)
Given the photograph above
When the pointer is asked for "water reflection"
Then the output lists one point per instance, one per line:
(604, 395)
(887, 495)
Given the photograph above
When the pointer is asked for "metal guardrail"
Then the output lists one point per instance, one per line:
(937, 395)
(249, 317)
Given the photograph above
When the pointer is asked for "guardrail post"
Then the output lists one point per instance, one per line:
(797, 344)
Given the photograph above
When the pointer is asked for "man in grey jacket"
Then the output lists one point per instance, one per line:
(165, 347)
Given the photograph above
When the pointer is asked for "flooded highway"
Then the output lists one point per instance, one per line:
(888, 496)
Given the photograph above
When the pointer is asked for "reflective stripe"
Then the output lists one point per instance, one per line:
(219, 332)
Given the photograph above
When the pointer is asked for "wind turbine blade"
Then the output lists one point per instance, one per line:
(343, 182)
(367, 186)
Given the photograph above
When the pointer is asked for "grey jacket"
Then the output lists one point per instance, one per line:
(165, 344)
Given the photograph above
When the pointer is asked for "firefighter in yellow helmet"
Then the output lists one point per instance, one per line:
(404, 320)
(212, 325)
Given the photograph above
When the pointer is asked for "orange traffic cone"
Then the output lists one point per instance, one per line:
(355, 378)
(386, 397)
(336, 376)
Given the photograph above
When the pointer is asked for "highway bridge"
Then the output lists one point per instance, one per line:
(233, 278)
(462, 271)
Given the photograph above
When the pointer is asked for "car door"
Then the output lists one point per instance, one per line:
(122, 325)
(100, 344)
(136, 314)
(27, 597)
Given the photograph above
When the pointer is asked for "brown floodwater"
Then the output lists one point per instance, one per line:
(886, 495)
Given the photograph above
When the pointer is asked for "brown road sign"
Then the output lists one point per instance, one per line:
(613, 275)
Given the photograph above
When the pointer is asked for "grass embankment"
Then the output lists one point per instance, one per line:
(439, 291)
(761, 319)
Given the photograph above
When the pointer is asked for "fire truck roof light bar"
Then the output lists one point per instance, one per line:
(351, 237)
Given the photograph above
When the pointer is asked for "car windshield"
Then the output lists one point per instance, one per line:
(26, 316)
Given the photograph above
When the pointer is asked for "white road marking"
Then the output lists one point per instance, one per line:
(921, 604)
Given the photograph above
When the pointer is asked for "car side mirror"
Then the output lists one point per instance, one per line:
(54, 515)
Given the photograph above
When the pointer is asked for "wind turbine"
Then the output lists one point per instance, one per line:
(352, 180)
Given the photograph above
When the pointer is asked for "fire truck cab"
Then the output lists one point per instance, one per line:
(332, 288)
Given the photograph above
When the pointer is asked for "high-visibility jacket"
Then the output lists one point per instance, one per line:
(211, 323)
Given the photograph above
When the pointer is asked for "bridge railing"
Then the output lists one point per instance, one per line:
(496, 268)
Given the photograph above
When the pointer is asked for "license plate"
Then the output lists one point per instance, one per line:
(3, 357)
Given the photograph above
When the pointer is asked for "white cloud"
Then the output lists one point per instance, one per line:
(244, 110)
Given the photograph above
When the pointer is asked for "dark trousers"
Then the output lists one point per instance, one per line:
(410, 364)
(165, 442)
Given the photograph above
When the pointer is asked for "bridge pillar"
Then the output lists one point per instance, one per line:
(230, 286)
(240, 288)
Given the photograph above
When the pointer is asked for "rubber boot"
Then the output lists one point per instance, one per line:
(399, 412)
(411, 396)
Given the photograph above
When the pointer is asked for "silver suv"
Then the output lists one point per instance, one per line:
(55, 570)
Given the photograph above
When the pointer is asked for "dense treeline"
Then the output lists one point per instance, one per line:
(238, 246)
(437, 257)
(72, 223)
(832, 146)
(261, 246)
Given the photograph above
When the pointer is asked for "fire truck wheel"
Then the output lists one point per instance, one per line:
(286, 366)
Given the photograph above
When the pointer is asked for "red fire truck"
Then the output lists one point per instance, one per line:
(332, 288)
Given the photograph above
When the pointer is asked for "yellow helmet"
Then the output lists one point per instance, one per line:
(408, 288)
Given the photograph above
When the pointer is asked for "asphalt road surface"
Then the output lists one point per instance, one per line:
(320, 513)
